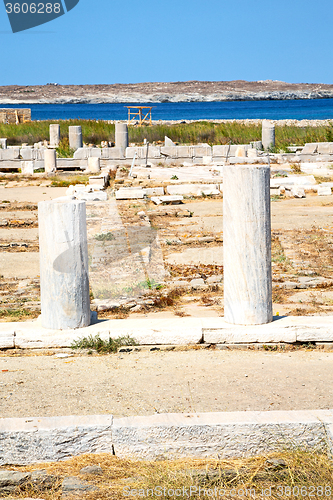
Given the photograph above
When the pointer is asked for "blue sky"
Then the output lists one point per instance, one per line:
(116, 41)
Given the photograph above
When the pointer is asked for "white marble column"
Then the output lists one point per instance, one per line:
(75, 137)
(50, 161)
(268, 134)
(121, 135)
(63, 249)
(247, 244)
(54, 135)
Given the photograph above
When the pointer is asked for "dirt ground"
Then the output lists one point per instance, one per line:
(148, 382)
(191, 240)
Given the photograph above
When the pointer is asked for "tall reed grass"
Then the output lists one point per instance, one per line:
(184, 133)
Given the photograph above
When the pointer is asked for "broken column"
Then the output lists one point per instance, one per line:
(63, 252)
(121, 136)
(247, 244)
(50, 161)
(54, 135)
(268, 134)
(75, 137)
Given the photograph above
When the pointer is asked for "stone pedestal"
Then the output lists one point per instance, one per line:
(54, 135)
(94, 165)
(247, 244)
(268, 134)
(121, 136)
(50, 161)
(27, 167)
(63, 252)
(75, 137)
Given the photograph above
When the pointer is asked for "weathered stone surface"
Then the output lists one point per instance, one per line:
(64, 278)
(54, 135)
(28, 440)
(197, 283)
(95, 196)
(168, 199)
(7, 332)
(27, 167)
(268, 134)
(155, 191)
(130, 193)
(247, 245)
(225, 434)
(168, 142)
(72, 484)
(75, 137)
(193, 189)
(92, 469)
(94, 165)
(324, 191)
(297, 192)
(121, 135)
(50, 160)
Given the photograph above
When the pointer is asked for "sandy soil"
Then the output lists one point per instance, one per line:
(148, 382)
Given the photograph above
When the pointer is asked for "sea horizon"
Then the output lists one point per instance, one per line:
(289, 109)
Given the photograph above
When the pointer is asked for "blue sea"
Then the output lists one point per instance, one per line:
(309, 109)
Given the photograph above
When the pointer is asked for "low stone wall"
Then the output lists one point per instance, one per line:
(165, 436)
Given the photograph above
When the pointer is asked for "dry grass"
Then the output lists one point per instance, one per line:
(290, 470)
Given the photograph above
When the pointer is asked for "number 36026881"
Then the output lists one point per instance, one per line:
(33, 8)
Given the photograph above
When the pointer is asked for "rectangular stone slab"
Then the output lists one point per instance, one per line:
(225, 435)
(44, 439)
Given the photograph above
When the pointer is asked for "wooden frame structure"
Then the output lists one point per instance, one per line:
(12, 115)
(135, 113)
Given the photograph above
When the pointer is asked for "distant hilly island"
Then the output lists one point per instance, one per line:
(151, 92)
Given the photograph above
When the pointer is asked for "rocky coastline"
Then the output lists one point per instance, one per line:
(193, 91)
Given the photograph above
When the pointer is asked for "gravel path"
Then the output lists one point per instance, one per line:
(182, 381)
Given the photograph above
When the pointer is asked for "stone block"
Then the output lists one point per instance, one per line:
(113, 154)
(81, 154)
(168, 142)
(200, 151)
(28, 154)
(324, 191)
(224, 434)
(98, 180)
(94, 164)
(51, 439)
(310, 148)
(193, 189)
(155, 191)
(138, 151)
(27, 167)
(220, 150)
(240, 152)
(3, 143)
(170, 151)
(95, 196)
(7, 333)
(10, 154)
(130, 193)
(325, 148)
(297, 192)
(168, 199)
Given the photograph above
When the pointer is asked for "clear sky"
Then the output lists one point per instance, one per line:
(117, 41)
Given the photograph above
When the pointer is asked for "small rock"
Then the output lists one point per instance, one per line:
(184, 213)
(92, 469)
(297, 192)
(197, 283)
(179, 284)
(289, 285)
(63, 355)
(74, 484)
(136, 308)
(277, 463)
(214, 279)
